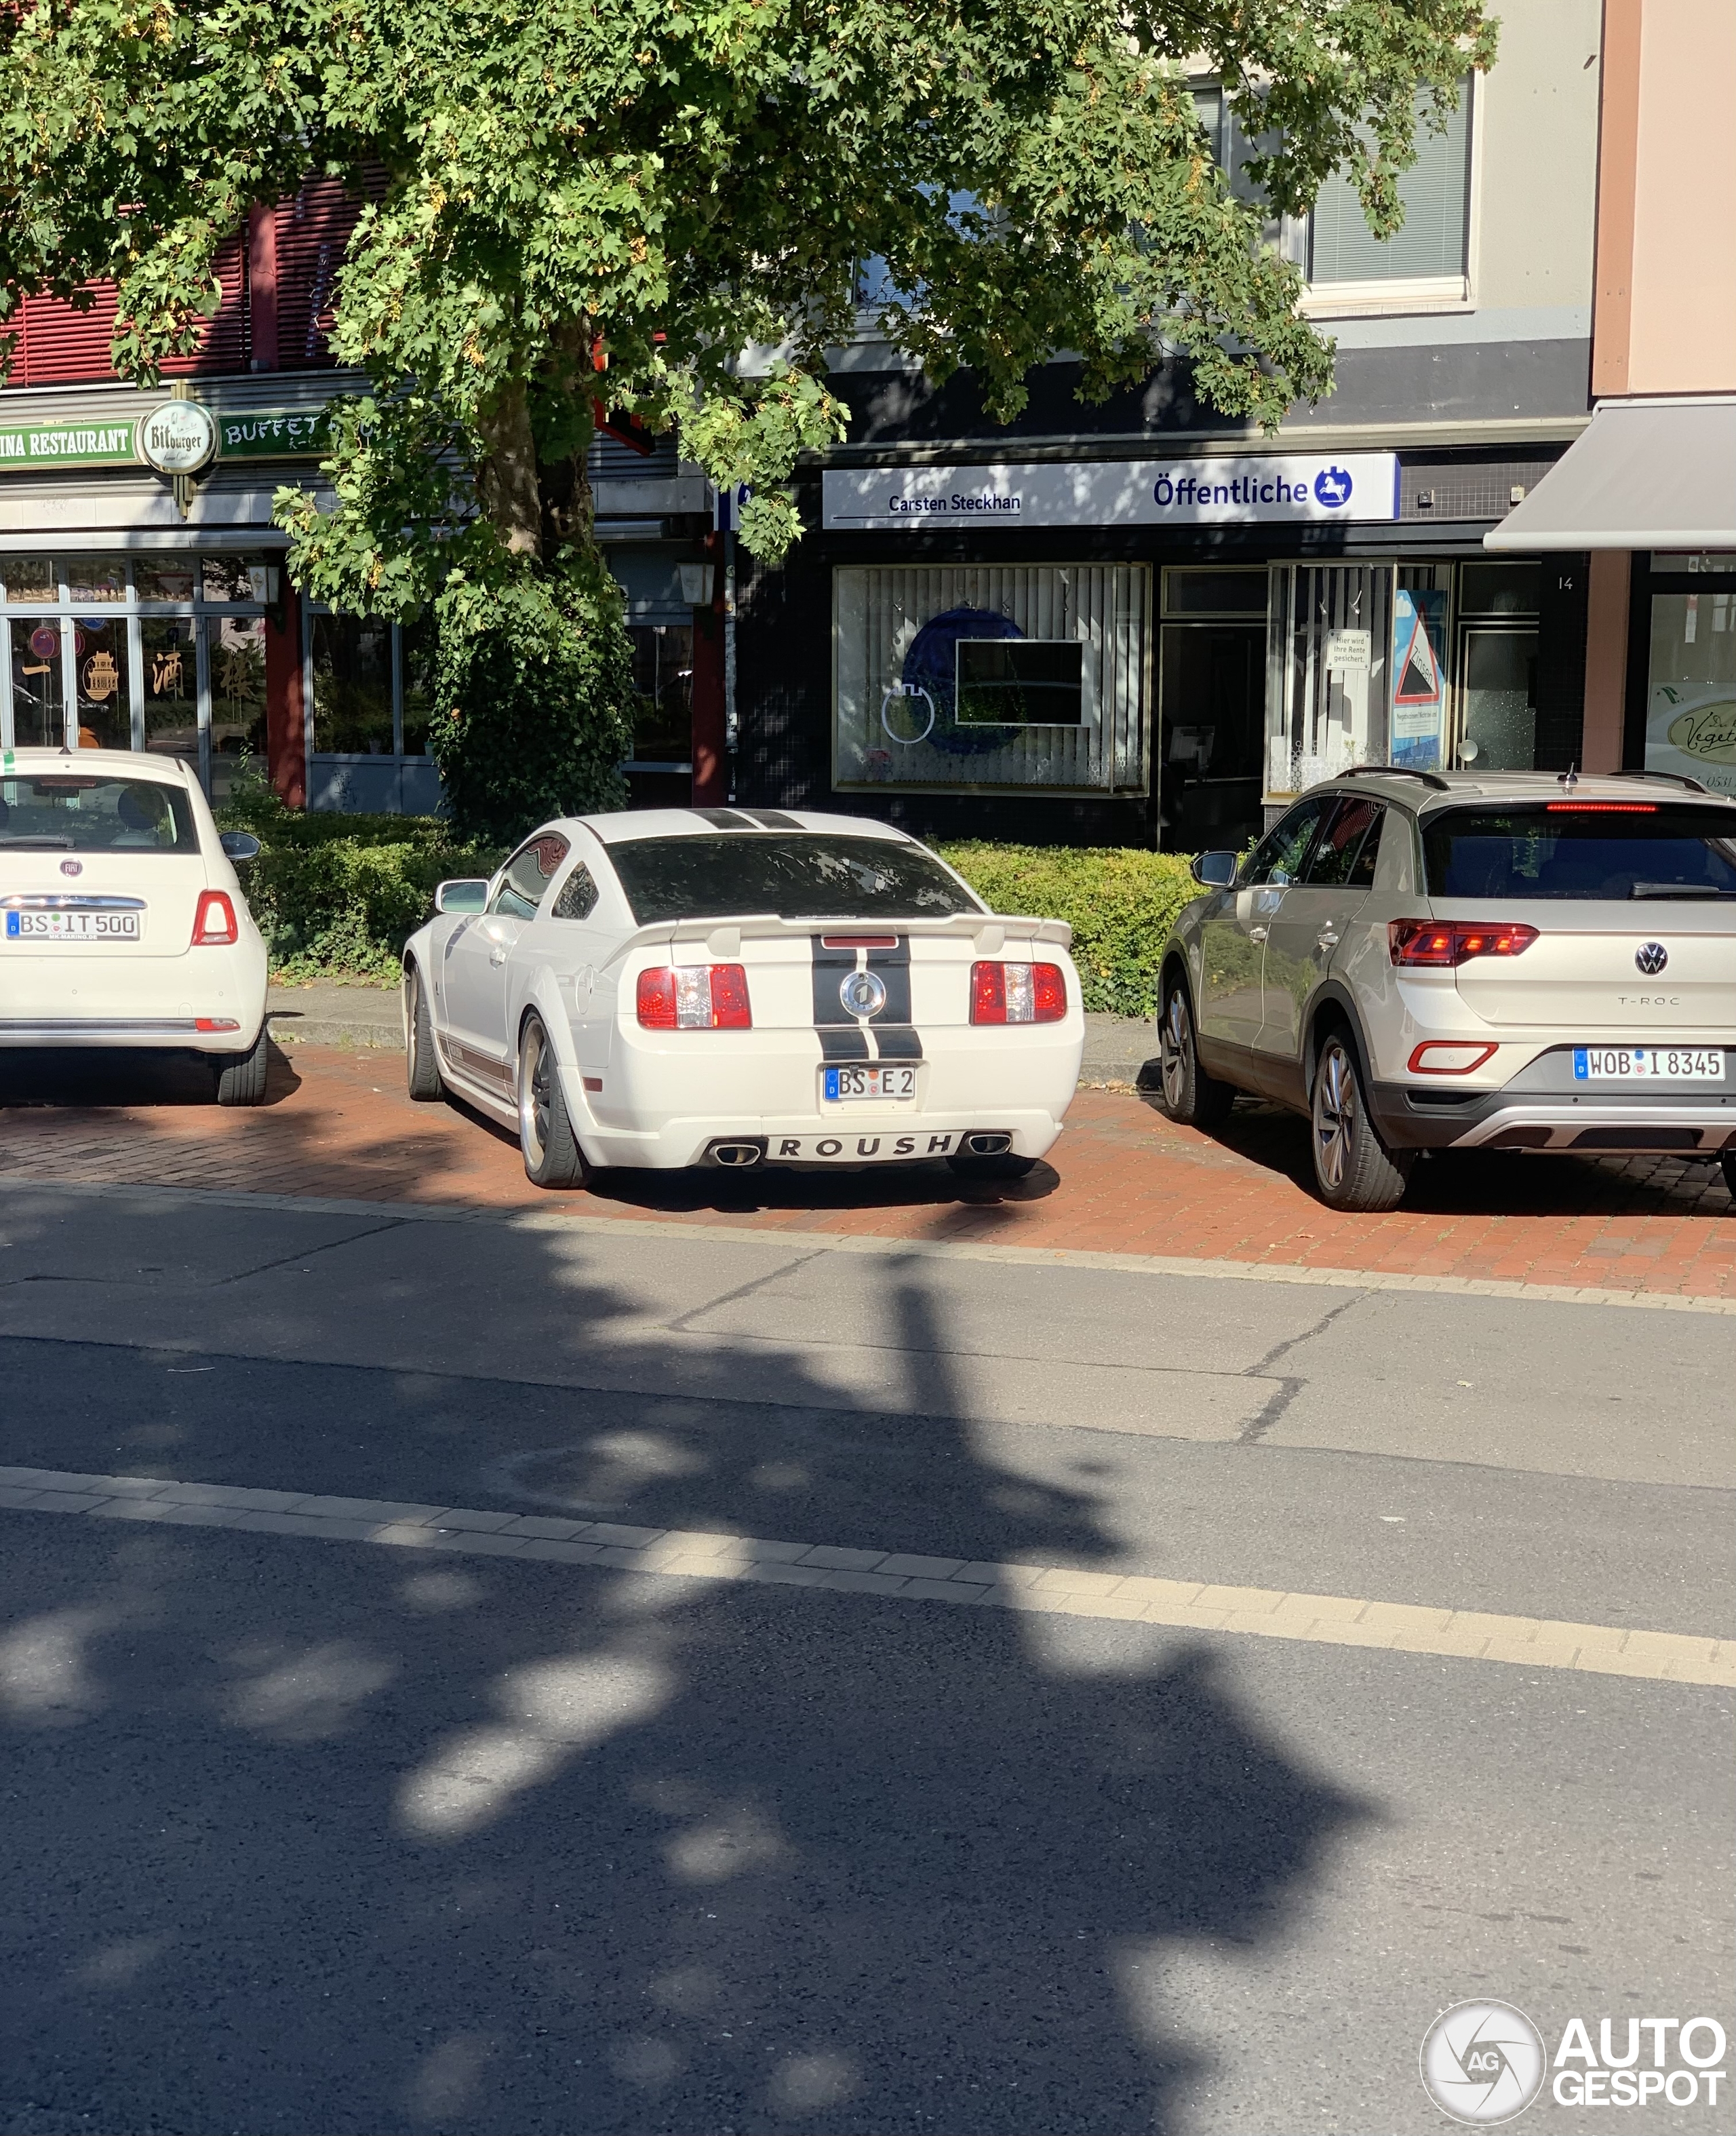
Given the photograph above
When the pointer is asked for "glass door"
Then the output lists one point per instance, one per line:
(1497, 699)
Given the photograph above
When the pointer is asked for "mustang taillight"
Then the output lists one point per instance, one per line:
(1017, 994)
(695, 997)
(215, 920)
(1440, 945)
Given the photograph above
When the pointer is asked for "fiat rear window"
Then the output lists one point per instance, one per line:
(813, 876)
(61, 812)
(1663, 851)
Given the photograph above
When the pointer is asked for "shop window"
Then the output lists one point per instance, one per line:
(30, 579)
(1028, 677)
(417, 661)
(95, 578)
(353, 686)
(1431, 244)
(38, 678)
(101, 668)
(163, 578)
(662, 678)
(1690, 702)
(1329, 645)
(171, 686)
(1215, 593)
(1500, 588)
(235, 649)
(231, 579)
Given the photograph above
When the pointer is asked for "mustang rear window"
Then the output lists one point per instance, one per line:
(1664, 851)
(811, 875)
(63, 811)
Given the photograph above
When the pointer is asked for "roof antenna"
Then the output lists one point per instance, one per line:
(1569, 779)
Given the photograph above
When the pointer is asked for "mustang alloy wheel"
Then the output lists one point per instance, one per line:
(1353, 1168)
(421, 1063)
(1188, 1094)
(551, 1152)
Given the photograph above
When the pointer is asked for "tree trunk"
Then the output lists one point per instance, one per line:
(507, 481)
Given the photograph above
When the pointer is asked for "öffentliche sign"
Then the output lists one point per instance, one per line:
(1293, 488)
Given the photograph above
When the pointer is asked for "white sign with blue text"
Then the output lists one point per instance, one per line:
(1292, 488)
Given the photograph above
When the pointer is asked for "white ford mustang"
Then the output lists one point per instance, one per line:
(737, 986)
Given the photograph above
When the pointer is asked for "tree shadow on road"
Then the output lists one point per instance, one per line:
(307, 1834)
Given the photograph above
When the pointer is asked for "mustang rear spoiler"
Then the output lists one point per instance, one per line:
(722, 938)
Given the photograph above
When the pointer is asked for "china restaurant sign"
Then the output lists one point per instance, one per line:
(1239, 490)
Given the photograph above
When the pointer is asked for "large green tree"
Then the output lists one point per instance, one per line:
(658, 186)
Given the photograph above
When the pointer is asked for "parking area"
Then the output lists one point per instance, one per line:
(1122, 1180)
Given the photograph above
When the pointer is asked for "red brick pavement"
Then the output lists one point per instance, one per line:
(1122, 1179)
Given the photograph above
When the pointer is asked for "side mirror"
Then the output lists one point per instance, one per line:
(462, 894)
(239, 845)
(1215, 871)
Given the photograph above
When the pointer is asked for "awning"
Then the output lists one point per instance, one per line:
(1646, 474)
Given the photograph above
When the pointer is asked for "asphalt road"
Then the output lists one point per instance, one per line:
(302, 1834)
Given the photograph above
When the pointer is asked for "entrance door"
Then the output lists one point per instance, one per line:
(1212, 707)
(1498, 703)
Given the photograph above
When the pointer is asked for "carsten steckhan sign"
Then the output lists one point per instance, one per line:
(1222, 491)
(176, 438)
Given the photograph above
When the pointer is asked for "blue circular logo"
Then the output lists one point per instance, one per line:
(1333, 487)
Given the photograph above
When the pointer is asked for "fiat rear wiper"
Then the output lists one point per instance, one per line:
(1678, 890)
(42, 843)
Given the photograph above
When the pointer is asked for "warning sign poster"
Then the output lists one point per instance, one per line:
(1419, 676)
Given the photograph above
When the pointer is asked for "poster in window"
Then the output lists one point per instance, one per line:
(1419, 676)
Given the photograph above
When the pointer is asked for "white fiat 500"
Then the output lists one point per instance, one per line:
(1503, 961)
(742, 987)
(122, 924)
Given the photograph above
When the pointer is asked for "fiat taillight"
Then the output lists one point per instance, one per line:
(215, 919)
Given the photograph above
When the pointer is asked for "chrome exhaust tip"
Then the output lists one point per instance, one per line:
(988, 1145)
(736, 1153)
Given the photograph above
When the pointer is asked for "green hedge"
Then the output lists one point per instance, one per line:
(335, 896)
(1120, 900)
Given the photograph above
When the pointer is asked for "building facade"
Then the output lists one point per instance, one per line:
(1142, 623)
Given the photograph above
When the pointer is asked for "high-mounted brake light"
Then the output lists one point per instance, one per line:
(1441, 945)
(859, 941)
(215, 919)
(1017, 994)
(1601, 808)
(695, 997)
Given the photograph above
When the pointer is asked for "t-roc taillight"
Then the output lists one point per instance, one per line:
(695, 997)
(1440, 945)
(1017, 994)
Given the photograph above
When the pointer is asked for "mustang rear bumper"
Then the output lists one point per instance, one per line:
(158, 1033)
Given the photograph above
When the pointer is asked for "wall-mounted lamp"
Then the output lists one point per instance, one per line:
(696, 585)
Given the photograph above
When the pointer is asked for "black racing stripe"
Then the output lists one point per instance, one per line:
(726, 819)
(898, 1042)
(837, 1044)
(889, 1037)
(773, 819)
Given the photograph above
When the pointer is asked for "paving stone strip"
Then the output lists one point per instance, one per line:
(676, 1553)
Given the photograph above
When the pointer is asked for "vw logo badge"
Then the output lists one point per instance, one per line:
(1652, 957)
(72, 868)
(863, 994)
